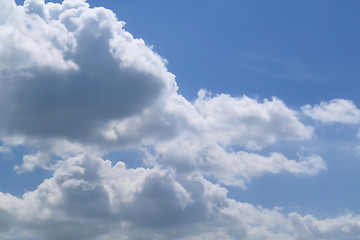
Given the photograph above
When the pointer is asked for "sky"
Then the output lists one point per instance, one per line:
(179, 120)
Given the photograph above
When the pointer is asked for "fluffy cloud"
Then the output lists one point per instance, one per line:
(89, 198)
(30, 162)
(228, 166)
(201, 136)
(89, 193)
(57, 86)
(119, 94)
(222, 119)
(335, 111)
(248, 122)
(66, 70)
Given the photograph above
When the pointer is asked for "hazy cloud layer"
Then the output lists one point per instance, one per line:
(75, 85)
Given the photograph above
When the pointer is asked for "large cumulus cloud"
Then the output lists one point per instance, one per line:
(89, 198)
(101, 89)
(68, 69)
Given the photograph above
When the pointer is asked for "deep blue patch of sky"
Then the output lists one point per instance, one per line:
(15, 183)
(302, 52)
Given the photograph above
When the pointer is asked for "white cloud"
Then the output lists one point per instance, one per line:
(29, 41)
(116, 95)
(192, 153)
(31, 161)
(56, 84)
(331, 228)
(335, 111)
(88, 198)
(221, 119)
(4, 149)
(248, 122)
(200, 136)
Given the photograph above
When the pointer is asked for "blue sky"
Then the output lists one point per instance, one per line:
(257, 48)
(236, 120)
(302, 52)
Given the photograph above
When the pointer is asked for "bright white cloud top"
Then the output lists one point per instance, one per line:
(74, 86)
(336, 111)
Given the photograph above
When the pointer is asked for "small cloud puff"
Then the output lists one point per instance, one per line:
(336, 111)
(32, 161)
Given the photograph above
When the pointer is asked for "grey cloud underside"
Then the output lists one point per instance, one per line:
(85, 79)
(71, 104)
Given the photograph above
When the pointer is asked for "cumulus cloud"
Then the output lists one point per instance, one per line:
(89, 193)
(201, 136)
(222, 119)
(335, 111)
(116, 94)
(228, 166)
(119, 94)
(90, 198)
(68, 69)
(248, 122)
(28, 41)
(31, 161)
